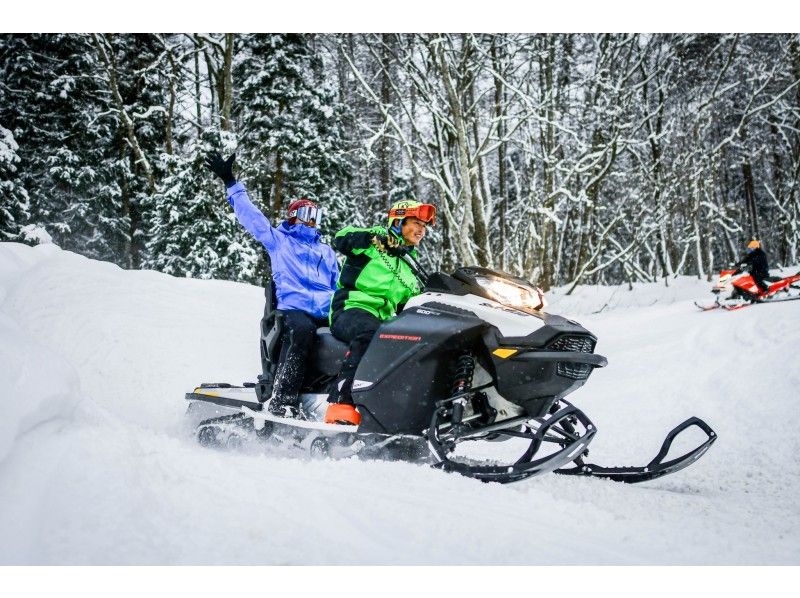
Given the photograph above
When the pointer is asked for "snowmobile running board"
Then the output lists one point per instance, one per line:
(657, 467)
(206, 393)
(260, 417)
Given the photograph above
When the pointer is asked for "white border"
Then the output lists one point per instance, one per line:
(409, 582)
(327, 16)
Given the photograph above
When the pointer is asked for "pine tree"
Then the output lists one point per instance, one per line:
(135, 67)
(192, 229)
(50, 102)
(290, 127)
(14, 207)
(86, 185)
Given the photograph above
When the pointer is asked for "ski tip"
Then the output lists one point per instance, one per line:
(706, 307)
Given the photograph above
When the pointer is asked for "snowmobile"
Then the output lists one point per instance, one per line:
(736, 290)
(471, 377)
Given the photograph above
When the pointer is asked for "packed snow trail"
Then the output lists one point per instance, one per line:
(97, 466)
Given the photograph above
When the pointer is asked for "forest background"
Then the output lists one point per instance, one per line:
(562, 158)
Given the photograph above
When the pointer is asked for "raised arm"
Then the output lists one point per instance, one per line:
(248, 215)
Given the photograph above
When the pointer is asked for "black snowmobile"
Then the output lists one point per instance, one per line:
(473, 359)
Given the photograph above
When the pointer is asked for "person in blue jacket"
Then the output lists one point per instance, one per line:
(304, 271)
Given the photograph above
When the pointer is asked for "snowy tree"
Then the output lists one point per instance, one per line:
(50, 103)
(289, 127)
(192, 229)
(88, 114)
(134, 71)
(15, 206)
(565, 158)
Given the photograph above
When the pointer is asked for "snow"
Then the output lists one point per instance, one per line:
(35, 233)
(8, 148)
(97, 465)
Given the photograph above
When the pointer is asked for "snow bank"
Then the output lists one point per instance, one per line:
(38, 385)
(138, 339)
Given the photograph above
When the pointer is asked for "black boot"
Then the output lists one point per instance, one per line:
(288, 408)
(340, 391)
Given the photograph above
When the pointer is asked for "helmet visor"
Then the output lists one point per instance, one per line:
(307, 214)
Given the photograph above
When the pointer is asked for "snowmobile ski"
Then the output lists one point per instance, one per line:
(657, 467)
(762, 301)
(558, 427)
(707, 307)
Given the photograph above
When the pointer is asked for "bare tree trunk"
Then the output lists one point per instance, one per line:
(547, 67)
(213, 81)
(277, 185)
(384, 166)
(750, 198)
(172, 78)
(500, 112)
(197, 96)
(226, 97)
(107, 57)
(469, 193)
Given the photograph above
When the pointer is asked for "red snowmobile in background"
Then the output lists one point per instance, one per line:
(736, 289)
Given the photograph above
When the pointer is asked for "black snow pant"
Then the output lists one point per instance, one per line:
(357, 327)
(759, 278)
(297, 341)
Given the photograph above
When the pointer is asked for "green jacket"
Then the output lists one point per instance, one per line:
(370, 279)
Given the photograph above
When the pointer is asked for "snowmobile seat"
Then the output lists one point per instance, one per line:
(329, 352)
(271, 326)
(269, 342)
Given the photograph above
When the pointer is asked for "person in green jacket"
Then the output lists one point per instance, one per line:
(374, 284)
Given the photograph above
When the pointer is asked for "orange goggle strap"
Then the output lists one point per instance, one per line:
(425, 212)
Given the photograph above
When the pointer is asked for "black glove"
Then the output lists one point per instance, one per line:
(388, 244)
(222, 168)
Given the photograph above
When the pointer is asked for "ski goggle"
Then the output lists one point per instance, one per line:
(306, 214)
(425, 212)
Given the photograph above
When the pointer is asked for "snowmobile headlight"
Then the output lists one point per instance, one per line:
(525, 298)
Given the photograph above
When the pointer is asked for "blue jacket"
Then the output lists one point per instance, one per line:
(304, 269)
